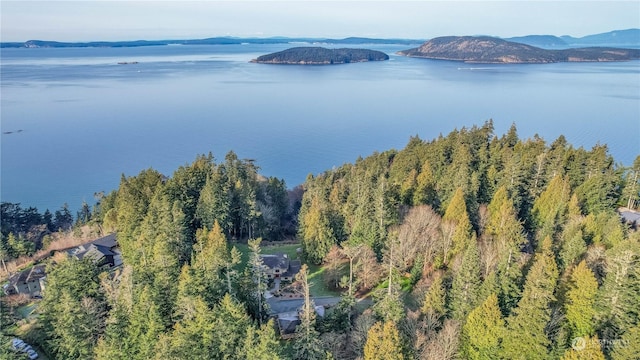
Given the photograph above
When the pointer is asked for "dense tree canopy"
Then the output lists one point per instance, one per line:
(472, 245)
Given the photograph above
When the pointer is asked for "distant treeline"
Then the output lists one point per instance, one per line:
(208, 41)
(22, 230)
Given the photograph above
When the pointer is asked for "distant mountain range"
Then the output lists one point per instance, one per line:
(616, 38)
(208, 41)
(485, 49)
(543, 41)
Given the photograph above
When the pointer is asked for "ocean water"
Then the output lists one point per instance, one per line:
(74, 120)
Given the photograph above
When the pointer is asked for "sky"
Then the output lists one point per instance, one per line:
(90, 20)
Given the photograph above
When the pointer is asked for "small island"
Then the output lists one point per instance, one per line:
(488, 50)
(320, 56)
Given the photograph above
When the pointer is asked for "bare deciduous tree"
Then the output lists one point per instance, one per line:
(488, 256)
(367, 269)
(334, 267)
(426, 330)
(118, 287)
(352, 253)
(419, 234)
(444, 345)
(447, 229)
(359, 333)
(483, 218)
(336, 344)
(597, 261)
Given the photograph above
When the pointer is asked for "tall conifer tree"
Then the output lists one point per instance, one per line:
(483, 331)
(549, 209)
(584, 348)
(466, 283)
(580, 301)
(457, 214)
(526, 337)
(307, 344)
(383, 342)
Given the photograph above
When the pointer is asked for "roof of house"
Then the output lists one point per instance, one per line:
(288, 321)
(107, 241)
(35, 273)
(630, 216)
(97, 249)
(279, 261)
(294, 268)
(95, 252)
(288, 324)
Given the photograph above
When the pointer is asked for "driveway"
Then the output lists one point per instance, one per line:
(291, 305)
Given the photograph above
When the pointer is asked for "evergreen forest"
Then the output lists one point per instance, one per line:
(471, 245)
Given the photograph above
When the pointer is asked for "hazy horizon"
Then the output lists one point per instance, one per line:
(302, 37)
(78, 21)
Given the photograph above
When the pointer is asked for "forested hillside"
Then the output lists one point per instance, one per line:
(488, 50)
(491, 247)
(471, 245)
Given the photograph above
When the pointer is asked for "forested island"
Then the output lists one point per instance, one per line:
(320, 56)
(485, 49)
(472, 245)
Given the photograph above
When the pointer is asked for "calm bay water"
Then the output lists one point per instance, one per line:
(79, 120)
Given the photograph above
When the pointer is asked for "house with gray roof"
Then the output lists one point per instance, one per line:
(630, 217)
(98, 254)
(30, 282)
(288, 321)
(109, 241)
(279, 266)
(103, 252)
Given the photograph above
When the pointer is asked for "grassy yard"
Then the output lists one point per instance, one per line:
(289, 249)
(26, 310)
(318, 288)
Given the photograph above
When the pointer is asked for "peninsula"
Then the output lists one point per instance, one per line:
(485, 49)
(320, 56)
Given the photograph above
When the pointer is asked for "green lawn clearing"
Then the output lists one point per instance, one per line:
(318, 287)
(26, 310)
